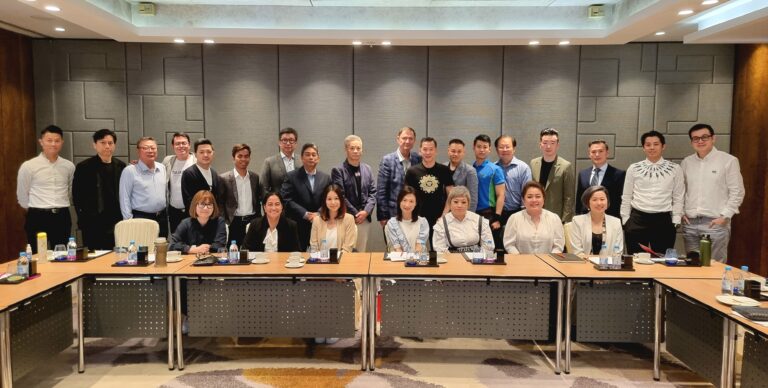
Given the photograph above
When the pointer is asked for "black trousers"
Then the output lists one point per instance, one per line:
(56, 223)
(161, 218)
(498, 237)
(175, 216)
(652, 229)
(237, 228)
(98, 231)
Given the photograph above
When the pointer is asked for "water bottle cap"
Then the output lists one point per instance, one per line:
(42, 234)
(22, 253)
(234, 242)
(133, 241)
(745, 268)
(71, 239)
(727, 267)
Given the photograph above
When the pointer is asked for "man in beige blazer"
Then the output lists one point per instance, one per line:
(555, 174)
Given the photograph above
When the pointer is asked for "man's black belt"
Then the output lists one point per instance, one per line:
(139, 213)
(245, 219)
(55, 210)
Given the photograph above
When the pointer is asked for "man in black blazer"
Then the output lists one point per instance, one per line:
(240, 194)
(603, 174)
(303, 192)
(200, 176)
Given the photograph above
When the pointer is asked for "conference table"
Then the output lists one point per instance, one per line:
(461, 299)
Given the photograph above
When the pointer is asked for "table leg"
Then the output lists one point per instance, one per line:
(80, 332)
(6, 378)
(177, 323)
(372, 291)
(657, 329)
(559, 329)
(364, 324)
(169, 312)
(730, 334)
(568, 316)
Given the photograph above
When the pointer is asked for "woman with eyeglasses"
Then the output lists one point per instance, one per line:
(274, 232)
(204, 231)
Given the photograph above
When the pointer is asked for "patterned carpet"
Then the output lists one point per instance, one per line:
(400, 362)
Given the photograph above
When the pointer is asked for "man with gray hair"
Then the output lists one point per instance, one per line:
(356, 179)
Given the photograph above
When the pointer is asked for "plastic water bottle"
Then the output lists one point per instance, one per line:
(423, 256)
(234, 253)
(490, 254)
(22, 267)
(738, 287)
(325, 253)
(617, 252)
(133, 253)
(604, 255)
(726, 286)
(71, 249)
(28, 252)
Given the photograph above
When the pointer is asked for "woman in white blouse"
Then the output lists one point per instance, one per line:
(590, 231)
(334, 224)
(407, 229)
(461, 230)
(534, 229)
(273, 232)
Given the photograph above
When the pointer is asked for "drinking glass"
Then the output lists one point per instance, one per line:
(60, 252)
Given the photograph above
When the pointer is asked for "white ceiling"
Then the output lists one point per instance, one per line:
(403, 22)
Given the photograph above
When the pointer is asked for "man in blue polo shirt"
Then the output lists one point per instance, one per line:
(490, 187)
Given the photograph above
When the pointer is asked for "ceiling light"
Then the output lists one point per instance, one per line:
(660, 33)
(60, 29)
(564, 42)
(386, 43)
(709, 2)
(357, 42)
(31, 1)
(52, 8)
(685, 12)
(178, 40)
(533, 42)
(209, 41)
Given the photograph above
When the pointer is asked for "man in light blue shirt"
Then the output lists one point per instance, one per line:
(143, 187)
(516, 174)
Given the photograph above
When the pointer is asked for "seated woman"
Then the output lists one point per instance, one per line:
(404, 231)
(590, 231)
(204, 231)
(461, 230)
(274, 232)
(534, 229)
(334, 225)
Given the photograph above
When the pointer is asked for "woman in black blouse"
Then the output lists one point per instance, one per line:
(204, 231)
(273, 232)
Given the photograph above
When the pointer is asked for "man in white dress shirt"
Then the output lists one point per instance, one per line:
(43, 188)
(714, 190)
(652, 201)
(175, 165)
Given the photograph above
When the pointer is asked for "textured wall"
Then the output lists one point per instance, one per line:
(233, 93)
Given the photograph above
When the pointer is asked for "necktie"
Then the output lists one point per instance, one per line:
(595, 175)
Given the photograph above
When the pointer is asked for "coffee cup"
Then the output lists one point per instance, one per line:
(643, 255)
(294, 259)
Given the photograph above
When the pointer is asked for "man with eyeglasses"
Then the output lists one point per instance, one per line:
(555, 174)
(175, 165)
(601, 174)
(714, 191)
(143, 187)
(276, 167)
(201, 176)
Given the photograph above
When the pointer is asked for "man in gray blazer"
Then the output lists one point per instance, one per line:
(240, 193)
(276, 167)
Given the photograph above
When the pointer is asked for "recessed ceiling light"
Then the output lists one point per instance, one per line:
(685, 12)
(209, 41)
(31, 1)
(386, 43)
(178, 40)
(564, 42)
(52, 8)
(533, 42)
(60, 29)
(709, 2)
(660, 33)
(357, 42)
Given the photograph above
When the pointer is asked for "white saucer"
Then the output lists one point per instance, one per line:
(260, 260)
(441, 260)
(731, 300)
(644, 261)
(174, 259)
(294, 265)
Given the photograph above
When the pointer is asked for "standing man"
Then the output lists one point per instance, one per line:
(601, 174)
(303, 192)
(43, 186)
(201, 176)
(714, 190)
(96, 192)
(491, 188)
(174, 166)
(356, 179)
(432, 182)
(463, 173)
(240, 194)
(555, 174)
(652, 201)
(143, 187)
(392, 174)
(276, 167)
(516, 175)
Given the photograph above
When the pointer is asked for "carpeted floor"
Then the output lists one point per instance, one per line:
(400, 362)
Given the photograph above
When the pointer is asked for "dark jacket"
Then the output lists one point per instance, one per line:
(88, 192)
(300, 199)
(227, 195)
(343, 177)
(287, 238)
(190, 232)
(192, 181)
(613, 181)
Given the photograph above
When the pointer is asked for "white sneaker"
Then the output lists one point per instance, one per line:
(319, 340)
(331, 341)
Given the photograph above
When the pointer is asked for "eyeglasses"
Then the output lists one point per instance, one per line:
(287, 141)
(704, 138)
(181, 144)
(148, 148)
(205, 205)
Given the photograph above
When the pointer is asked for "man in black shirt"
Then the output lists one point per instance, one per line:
(432, 182)
(95, 192)
(555, 174)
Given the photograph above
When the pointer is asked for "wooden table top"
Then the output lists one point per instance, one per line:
(586, 270)
(518, 266)
(103, 266)
(704, 292)
(351, 264)
(11, 294)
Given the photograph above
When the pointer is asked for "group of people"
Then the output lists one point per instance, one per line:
(420, 203)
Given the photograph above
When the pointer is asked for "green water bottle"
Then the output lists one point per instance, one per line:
(705, 250)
